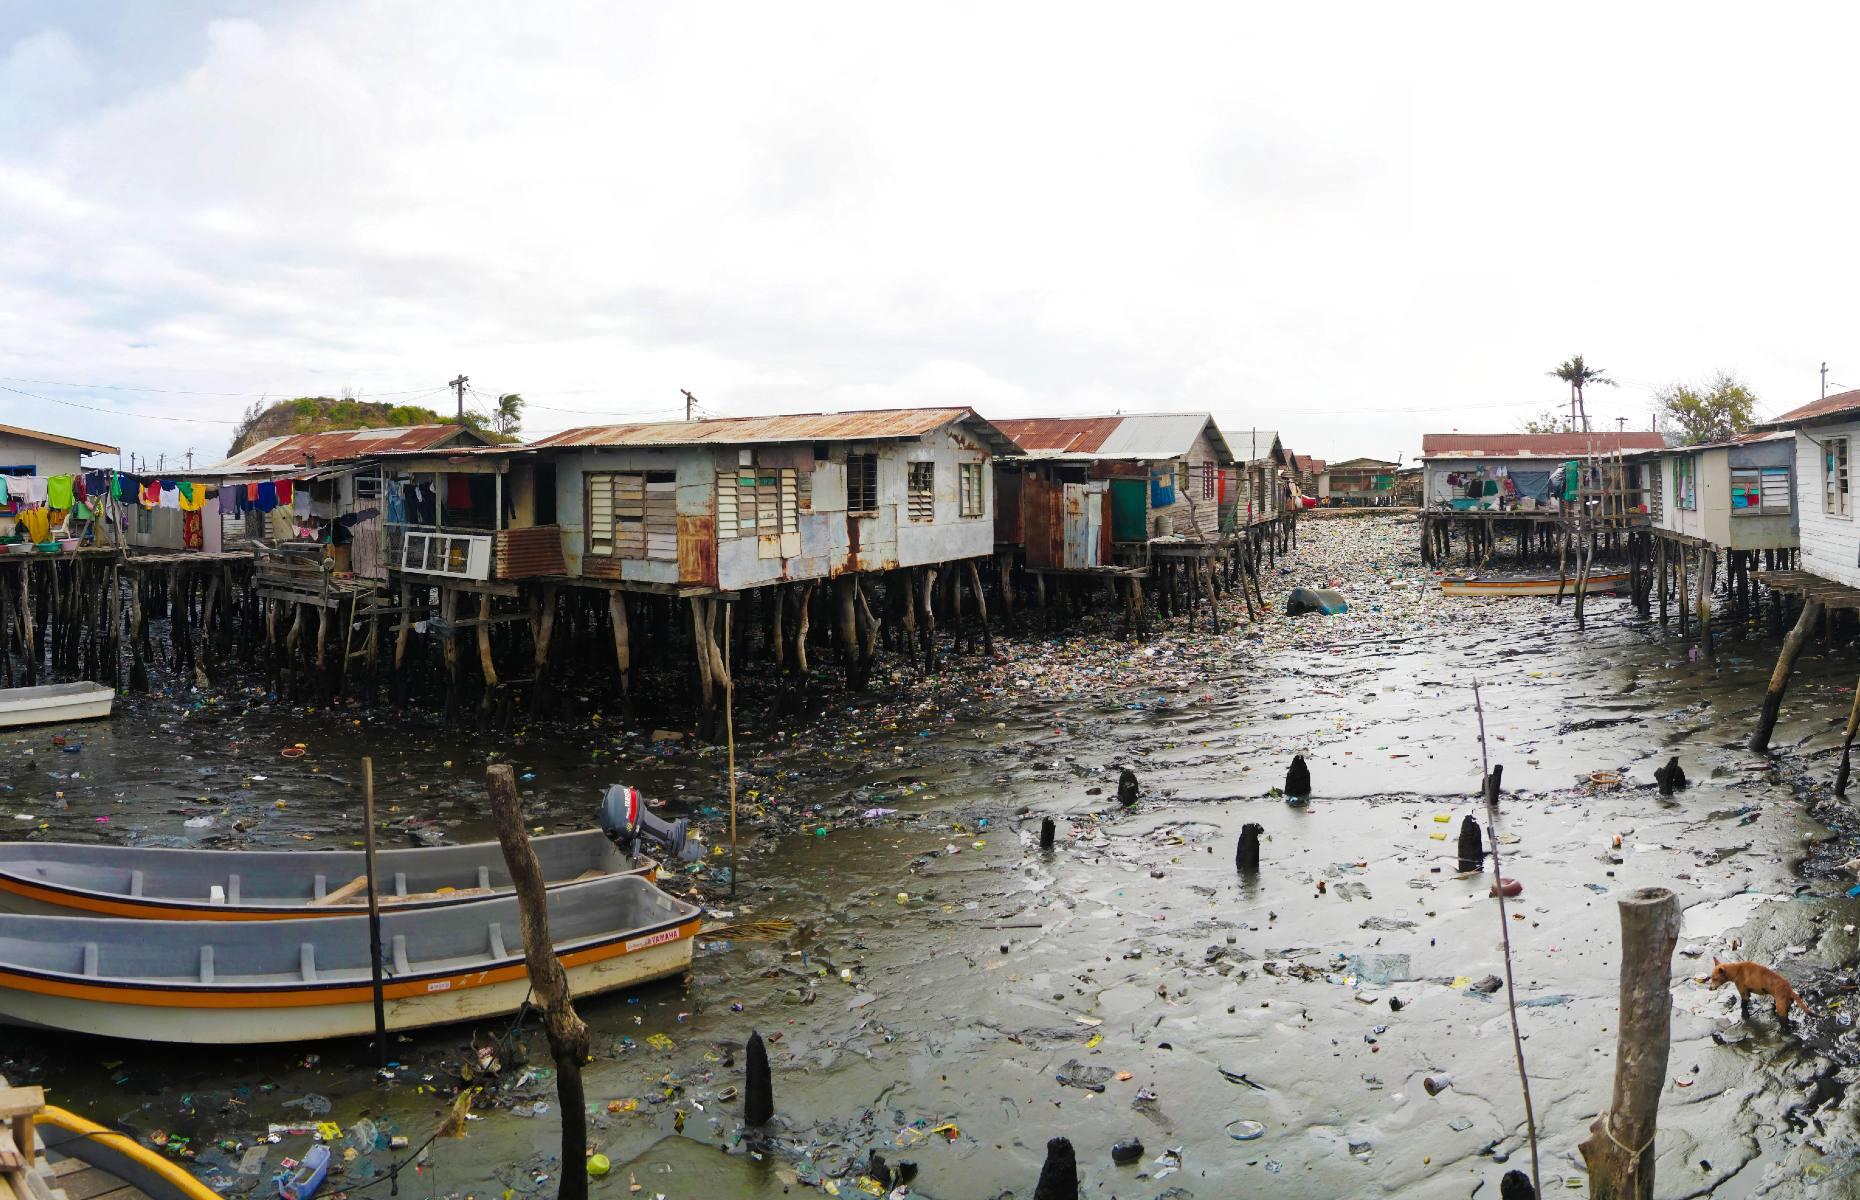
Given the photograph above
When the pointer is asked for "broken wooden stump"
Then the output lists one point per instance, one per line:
(1246, 855)
(1048, 831)
(1059, 1177)
(1779, 678)
(1472, 845)
(1298, 778)
(1619, 1149)
(1672, 777)
(1127, 786)
(758, 1094)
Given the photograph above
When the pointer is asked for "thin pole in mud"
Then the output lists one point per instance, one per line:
(729, 734)
(1847, 744)
(1489, 784)
(374, 912)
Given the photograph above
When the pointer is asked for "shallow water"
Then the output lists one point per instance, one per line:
(1002, 965)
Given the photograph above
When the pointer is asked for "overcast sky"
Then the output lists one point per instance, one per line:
(1351, 224)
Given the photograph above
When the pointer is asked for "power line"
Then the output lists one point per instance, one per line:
(130, 387)
(117, 412)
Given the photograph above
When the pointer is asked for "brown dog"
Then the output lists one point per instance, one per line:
(1755, 977)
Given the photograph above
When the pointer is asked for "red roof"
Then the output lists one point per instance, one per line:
(341, 445)
(1535, 445)
(1066, 435)
(1827, 406)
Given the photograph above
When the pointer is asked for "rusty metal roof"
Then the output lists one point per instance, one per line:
(1839, 405)
(1147, 437)
(290, 451)
(1535, 445)
(865, 426)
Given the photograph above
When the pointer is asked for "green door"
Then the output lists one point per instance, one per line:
(1130, 510)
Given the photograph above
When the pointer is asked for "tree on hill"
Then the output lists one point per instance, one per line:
(320, 414)
(1547, 421)
(1722, 407)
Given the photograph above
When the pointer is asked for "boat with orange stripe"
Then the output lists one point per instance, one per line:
(245, 982)
(162, 884)
(1529, 585)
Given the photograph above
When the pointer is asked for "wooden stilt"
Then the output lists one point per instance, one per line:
(1779, 678)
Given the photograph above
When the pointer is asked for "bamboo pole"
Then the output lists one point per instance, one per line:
(568, 1035)
(374, 912)
(1619, 1149)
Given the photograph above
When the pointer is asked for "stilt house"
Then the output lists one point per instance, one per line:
(1736, 495)
(1824, 437)
(719, 505)
(1095, 492)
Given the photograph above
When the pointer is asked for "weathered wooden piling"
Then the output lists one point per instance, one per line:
(1048, 832)
(1472, 844)
(758, 1090)
(1059, 1175)
(1246, 854)
(1298, 778)
(1619, 1149)
(1779, 678)
(568, 1035)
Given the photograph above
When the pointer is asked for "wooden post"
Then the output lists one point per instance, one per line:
(1847, 743)
(545, 632)
(623, 649)
(729, 731)
(374, 912)
(1619, 1148)
(568, 1036)
(1707, 569)
(981, 608)
(1779, 678)
(1659, 560)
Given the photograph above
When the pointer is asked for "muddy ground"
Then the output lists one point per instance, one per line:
(945, 976)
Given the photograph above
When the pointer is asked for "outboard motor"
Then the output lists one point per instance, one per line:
(624, 819)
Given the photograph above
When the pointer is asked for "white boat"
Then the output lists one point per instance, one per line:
(54, 703)
(261, 982)
(1529, 585)
(162, 884)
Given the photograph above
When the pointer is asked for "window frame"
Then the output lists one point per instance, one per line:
(866, 487)
(1775, 491)
(971, 491)
(920, 491)
(1841, 509)
(1686, 482)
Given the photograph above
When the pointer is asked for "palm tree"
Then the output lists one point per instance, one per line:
(1578, 375)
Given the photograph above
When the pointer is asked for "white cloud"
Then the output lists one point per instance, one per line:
(1351, 224)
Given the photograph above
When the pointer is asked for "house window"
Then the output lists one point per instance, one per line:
(1834, 477)
(633, 514)
(1759, 491)
(862, 484)
(970, 478)
(145, 519)
(1210, 480)
(1685, 482)
(367, 486)
(757, 501)
(923, 491)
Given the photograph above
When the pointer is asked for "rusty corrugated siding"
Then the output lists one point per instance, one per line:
(1043, 501)
(697, 549)
(527, 553)
(341, 445)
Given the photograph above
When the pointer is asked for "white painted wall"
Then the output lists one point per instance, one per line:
(45, 458)
(1830, 544)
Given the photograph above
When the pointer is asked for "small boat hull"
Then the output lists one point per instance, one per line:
(206, 982)
(162, 884)
(54, 704)
(129, 1163)
(1499, 586)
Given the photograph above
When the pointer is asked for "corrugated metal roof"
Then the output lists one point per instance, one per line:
(290, 450)
(1752, 438)
(1838, 405)
(59, 440)
(1535, 445)
(1251, 445)
(868, 425)
(1146, 437)
(1074, 435)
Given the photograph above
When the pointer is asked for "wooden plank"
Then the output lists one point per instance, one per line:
(80, 1182)
(20, 1101)
(346, 892)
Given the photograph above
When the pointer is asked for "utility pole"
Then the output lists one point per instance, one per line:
(190, 458)
(1824, 381)
(1620, 424)
(458, 385)
(690, 400)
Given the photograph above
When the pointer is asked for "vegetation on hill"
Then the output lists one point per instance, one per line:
(321, 414)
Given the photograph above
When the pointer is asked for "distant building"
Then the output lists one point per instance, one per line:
(1358, 482)
(30, 452)
(1509, 469)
